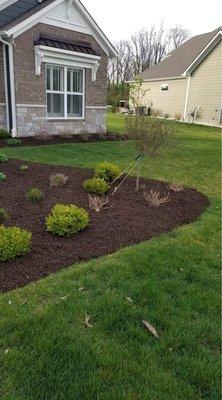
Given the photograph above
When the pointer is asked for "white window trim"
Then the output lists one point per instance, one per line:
(65, 93)
(51, 55)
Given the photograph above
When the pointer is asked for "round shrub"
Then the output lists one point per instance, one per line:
(3, 158)
(96, 185)
(34, 195)
(3, 215)
(2, 177)
(65, 220)
(107, 171)
(14, 242)
(23, 167)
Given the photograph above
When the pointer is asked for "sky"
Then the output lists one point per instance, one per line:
(119, 19)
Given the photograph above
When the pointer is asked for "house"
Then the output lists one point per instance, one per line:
(188, 82)
(53, 68)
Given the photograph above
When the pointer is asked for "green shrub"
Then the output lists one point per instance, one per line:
(3, 215)
(107, 171)
(65, 220)
(14, 242)
(2, 177)
(96, 185)
(3, 158)
(4, 134)
(23, 167)
(34, 195)
(13, 142)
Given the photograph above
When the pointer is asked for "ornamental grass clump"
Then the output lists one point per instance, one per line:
(156, 199)
(14, 242)
(3, 158)
(58, 179)
(66, 220)
(96, 186)
(175, 187)
(34, 195)
(3, 215)
(107, 171)
(97, 203)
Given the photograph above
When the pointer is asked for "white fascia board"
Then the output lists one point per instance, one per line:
(203, 54)
(169, 78)
(35, 18)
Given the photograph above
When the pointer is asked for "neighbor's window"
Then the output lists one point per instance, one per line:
(65, 92)
(164, 87)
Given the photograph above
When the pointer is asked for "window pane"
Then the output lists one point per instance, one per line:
(58, 79)
(69, 80)
(55, 105)
(74, 106)
(48, 77)
(77, 81)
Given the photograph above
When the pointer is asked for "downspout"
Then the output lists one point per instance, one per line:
(186, 100)
(9, 85)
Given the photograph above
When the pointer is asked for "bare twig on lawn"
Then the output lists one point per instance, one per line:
(151, 328)
(129, 299)
(155, 199)
(87, 319)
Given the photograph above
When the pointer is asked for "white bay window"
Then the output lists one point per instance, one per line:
(65, 92)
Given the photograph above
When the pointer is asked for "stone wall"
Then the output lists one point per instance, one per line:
(32, 121)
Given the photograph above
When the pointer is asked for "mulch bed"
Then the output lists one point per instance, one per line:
(60, 139)
(128, 219)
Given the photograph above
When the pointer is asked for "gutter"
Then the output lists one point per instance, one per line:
(9, 82)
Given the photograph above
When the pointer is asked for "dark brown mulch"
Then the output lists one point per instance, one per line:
(127, 221)
(59, 139)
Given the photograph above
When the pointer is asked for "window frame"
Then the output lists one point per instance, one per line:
(65, 93)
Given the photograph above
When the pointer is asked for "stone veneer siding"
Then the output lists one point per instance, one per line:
(3, 123)
(31, 89)
(32, 121)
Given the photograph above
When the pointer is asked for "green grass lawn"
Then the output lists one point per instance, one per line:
(48, 353)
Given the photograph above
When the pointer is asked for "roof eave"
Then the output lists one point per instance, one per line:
(214, 41)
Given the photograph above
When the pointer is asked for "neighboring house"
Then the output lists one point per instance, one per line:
(53, 68)
(189, 81)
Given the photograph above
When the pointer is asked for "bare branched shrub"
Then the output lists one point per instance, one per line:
(175, 187)
(58, 179)
(155, 199)
(97, 203)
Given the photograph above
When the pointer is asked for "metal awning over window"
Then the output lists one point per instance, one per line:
(66, 53)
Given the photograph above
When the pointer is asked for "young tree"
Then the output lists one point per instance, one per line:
(150, 138)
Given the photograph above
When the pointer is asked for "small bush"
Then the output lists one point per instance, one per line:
(23, 167)
(14, 242)
(96, 185)
(2, 177)
(155, 199)
(34, 195)
(4, 134)
(13, 142)
(66, 220)
(58, 179)
(3, 215)
(177, 116)
(166, 116)
(107, 171)
(3, 158)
